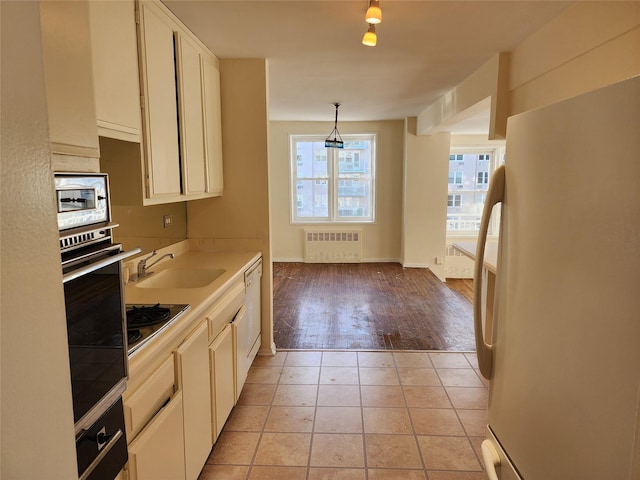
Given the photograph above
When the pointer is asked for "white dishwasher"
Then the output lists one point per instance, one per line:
(253, 301)
(247, 325)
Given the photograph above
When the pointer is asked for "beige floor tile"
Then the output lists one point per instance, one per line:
(439, 475)
(223, 472)
(375, 359)
(234, 448)
(382, 396)
(336, 474)
(303, 359)
(396, 474)
(296, 395)
(436, 421)
(284, 449)
(469, 398)
(247, 418)
(474, 422)
(392, 451)
(378, 376)
(276, 360)
(449, 360)
(338, 420)
(412, 359)
(338, 395)
(300, 375)
(257, 394)
(459, 377)
(426, 397)
(290, 419)
(472, 358)
(339, 376)
(337, 450)
(448, 453)
(339, 359)
(426, 377)
(264, 375)
(476, 443)
(386, 420)
(278, 473)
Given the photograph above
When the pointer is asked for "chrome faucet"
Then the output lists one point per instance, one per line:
(142, 264)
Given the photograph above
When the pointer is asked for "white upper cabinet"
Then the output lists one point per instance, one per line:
(182, 139)
(157, 65)
(191, 115)
(66, 51)
(115, 69)
(212, 123)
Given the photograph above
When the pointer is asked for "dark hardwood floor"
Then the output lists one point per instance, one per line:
(370, 306)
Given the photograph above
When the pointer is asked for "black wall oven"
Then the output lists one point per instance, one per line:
(96, 327)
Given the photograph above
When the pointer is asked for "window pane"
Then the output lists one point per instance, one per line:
(312, 198)
(311, 160)
(353, 198)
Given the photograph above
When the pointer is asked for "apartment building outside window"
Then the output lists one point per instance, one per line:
(470, 171)
(333, 185)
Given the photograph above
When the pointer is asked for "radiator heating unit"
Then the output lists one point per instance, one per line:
(332, 246)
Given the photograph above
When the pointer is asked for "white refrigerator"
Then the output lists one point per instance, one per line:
(564, 355)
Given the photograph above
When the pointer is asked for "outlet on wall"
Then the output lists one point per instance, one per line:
(166, 221)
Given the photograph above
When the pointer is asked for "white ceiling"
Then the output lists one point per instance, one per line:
(316, 56)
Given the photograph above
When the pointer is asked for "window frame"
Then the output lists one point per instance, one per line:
(332, 178)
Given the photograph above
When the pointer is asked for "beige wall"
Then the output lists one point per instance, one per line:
(425, 199)
(241, 216)
(36, 410)
(382, 239)
(588, 46)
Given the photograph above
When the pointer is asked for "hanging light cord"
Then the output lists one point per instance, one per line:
(334, 142)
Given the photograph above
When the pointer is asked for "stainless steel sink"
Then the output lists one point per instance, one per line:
(181, 278)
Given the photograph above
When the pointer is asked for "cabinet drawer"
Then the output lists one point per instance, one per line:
(142, 404)
(225, 309)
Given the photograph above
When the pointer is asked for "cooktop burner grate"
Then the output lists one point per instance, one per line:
(142, 316)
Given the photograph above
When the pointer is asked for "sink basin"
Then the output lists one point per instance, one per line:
(181, 278)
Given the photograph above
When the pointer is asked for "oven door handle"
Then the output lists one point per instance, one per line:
(103, 453)
(67, 277)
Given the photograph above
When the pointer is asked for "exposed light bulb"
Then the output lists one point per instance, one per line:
(370, 38)
(374, 13)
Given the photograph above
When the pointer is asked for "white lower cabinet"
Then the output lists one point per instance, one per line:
(193, 379)
(157, 453)
(221, 353)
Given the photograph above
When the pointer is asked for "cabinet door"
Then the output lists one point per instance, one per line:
(242, 343)
(193, 373)
(222, 379)
(115, 69)
(66, 53)
(191, 116)
(160, 112)
(158, 452)
(212, 123)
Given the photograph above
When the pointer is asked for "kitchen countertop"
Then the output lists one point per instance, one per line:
(490, 253)
(144, 360)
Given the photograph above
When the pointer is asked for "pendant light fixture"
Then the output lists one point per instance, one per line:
(336, 141)
(370, 38)
(374, 13)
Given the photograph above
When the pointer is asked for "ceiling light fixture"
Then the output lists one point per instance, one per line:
(334, 142)
(370, 38)
(374, 13)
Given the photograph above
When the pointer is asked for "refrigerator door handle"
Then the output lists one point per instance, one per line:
(495, 195)
(491, 459)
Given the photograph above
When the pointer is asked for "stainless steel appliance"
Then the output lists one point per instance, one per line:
(564, 356)
(96, 329)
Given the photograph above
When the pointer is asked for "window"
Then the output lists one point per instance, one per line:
(455, 177)
(470, 170)
(333, 185)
